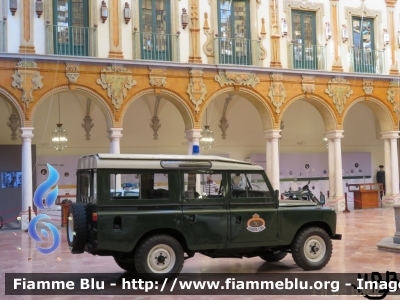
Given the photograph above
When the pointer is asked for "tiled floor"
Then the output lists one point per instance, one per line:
(356, 252)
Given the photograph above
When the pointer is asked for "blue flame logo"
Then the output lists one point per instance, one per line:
(50, 199)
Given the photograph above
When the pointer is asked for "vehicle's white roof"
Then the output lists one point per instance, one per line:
(152, 161)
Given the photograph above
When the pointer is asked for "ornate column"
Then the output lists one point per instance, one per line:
(115, 135)
(388, 173)
(390, 7)
(115, 31)
(272, 137)
(335, 137)
(268, 159)
(332, 173)
(275, 36)
(337, 62)
(27, 195)
(395, 167)
(193, 136)
(194, 33)
(27, 13)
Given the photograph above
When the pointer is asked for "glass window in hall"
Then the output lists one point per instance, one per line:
(70, 29)
(155, 24)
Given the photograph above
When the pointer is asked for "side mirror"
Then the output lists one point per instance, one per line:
(322, 199)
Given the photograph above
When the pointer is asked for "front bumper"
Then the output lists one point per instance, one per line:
(337, 237)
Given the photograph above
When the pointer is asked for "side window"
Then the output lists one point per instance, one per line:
(249, 185)
(203, 185)
(139, 186)
(85, 190)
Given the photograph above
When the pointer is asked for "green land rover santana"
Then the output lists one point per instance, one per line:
(183, 204)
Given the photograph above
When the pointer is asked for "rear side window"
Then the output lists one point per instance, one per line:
(86, 189)
(139, 186)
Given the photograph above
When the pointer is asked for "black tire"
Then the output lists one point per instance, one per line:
(77, 228)
(312, 248)
(127, 265)
(272, 256)
(159, 257)
(1, 222)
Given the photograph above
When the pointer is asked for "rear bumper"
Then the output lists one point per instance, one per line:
(337, 237)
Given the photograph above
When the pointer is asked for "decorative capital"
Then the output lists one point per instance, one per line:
(277, 92)
(308, 84)
(196, 88)
(339, 90)
(158, 78)
(117, 80)
(394, 95)
(237, 78)
(368, 86)
(27, 78)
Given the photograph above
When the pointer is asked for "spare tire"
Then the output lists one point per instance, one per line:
(77, 228)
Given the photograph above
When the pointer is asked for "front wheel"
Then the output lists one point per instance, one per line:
(159, 257)
(272, 256)
(312, 248)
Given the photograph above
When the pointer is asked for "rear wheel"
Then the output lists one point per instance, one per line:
(77, 228)
(272, 256)
(312, 248)
(159, 257)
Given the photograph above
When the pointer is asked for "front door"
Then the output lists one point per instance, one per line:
(363, 38)
(205, 215)
(304, 47)
(71, 32)
(252, 209)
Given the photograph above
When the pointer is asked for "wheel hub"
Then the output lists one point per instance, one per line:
(161, 259)
(314, 248)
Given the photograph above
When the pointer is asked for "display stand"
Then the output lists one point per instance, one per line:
(64, 208)
(366, 195)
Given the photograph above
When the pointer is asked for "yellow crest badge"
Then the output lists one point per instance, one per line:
(255, 224)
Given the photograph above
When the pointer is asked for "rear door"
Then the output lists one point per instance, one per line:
(253, 214)
(205, 213)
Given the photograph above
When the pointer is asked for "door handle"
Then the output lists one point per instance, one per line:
(238, 220)
(192, 218)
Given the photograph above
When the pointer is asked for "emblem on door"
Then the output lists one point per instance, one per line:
(255, 224)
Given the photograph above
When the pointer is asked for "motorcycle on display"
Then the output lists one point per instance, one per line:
(303, 193)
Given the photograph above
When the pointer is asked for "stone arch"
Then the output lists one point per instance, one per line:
(172, 97)
(10, 99)
(99, 100)
(259, 102)
(326, 112)
(381, 111)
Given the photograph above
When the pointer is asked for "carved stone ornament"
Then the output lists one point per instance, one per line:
(158, 78)
(72, 72)
(394, 95)
(196, 88)
(339, 90)
(223, 123)
(368, 86)
(208, 46)
(117, 80)
(28, 79)
(308, 84)
(277, 92)
(87, 125)
(155, 121)
(13, 124)
(237, 78)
